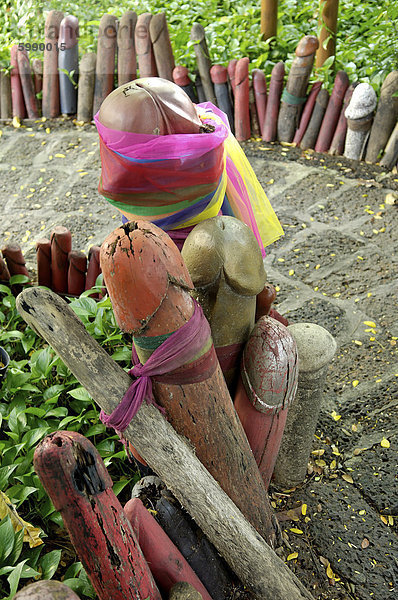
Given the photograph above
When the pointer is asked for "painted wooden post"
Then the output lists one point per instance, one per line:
(385, 118)
(248, 555)
(68, 59)
(338, 141)
(307, 112)
(328, 23)
(93, 268)
(105, 67)
(254, 120)
(274, 96)
(43, 261)
(76, 272)
(199, 88)
(27, 84)
(231, 74)
(219, 77)
(37, 68)
(126, 56)
(168, 566)
(332, 113)
(390, 156)
(75, 477)
(18, 103)
(5, 99)
(50, 99)
(48, 589)
(311, 133)
(161, 45)
(359, 113)
(316, 348)
(294, 94)
(15, 259)
(85, 93)
(198, 37)
(260, 95)
(195, 547)
(266, 389)
(269, 18)
(225, 263)
(61, 245)
(242, 111)
(204, 412)
(143, 47)
(181, 78)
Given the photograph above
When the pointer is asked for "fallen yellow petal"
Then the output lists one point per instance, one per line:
(292, 556)
(384, 443)
(370, 323)
(355, 383)
(295, 530)
(304, 509)
(347, 478)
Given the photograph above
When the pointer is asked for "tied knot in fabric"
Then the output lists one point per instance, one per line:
(180, 348)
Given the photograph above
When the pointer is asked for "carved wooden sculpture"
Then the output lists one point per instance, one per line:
(28, 88)
(143, 47)
(18, 103)
(154, 307)
(75, 477)
(50, 99)
(225, 263)
(385, 118)
(85, 95)
(307, 112)
(126, 56)
(338, 141)
(260, 95)
(68, 60)
(5, 96)
(274, 96)
(219, 77)
(294, 95)
(241, 97)
(332, 113)
(359, 114)
(161, 45)
(311, 133)
(266, 389)
(105, 66)
(203, 61)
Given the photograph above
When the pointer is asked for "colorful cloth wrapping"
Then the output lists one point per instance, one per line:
(176, 181)
(181, 347)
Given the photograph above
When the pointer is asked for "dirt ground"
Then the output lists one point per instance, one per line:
(335, 266)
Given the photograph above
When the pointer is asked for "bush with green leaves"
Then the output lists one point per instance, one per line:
(367, 40)
(39, 396)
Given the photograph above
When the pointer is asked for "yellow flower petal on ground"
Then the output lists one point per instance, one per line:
(370, 323)
(355, 383)
(335, 416)
(291, 272)
(292, 556)
(304, 509)
(296, 530)
(384, 443)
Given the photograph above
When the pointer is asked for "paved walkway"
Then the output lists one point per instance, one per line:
(335, 266)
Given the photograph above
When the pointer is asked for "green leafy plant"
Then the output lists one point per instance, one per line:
(40, 395)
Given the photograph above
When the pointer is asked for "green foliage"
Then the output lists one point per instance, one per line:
(40, 395)
(367, 40)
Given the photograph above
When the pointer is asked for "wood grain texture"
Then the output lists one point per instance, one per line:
(165, 451)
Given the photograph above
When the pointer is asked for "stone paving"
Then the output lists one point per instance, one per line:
(335, 266)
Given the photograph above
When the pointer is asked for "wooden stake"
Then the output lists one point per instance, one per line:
(257, 566)
(105, 66)
(50, 100)
(152, 307)
(126, 56)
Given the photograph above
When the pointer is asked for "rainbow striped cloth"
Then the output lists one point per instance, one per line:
(177, 181)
